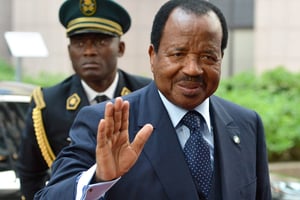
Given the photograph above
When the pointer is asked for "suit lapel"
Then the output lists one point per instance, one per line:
(228, 150)
(164, 151)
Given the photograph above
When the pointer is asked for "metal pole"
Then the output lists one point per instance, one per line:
(19, 70)
(231, 39)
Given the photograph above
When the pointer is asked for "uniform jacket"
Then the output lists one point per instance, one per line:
(57, 120)
(161, 173)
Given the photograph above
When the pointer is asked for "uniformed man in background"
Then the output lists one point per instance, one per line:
(94, 28)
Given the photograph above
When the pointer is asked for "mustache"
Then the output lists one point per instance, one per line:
(198, 79)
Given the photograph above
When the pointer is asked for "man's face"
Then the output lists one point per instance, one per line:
(94, 56)
(187, 66)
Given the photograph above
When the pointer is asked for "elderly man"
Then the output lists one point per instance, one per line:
(173, 139)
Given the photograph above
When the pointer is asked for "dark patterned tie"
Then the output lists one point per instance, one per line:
(101, 98)
(196, 151)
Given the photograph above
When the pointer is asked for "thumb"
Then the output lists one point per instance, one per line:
(141, 138)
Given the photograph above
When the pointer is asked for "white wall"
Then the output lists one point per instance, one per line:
(42, 16)
(277, 35)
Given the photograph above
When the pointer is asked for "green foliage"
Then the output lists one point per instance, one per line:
(275, 96)
(44, 79)
(6, 71)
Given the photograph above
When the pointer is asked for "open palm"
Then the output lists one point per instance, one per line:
(115, 155)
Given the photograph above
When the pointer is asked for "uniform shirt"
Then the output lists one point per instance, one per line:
(109, 92)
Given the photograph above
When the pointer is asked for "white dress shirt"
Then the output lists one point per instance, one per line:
(183, 133)
(109, 92)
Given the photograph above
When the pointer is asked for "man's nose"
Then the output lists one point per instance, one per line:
(192, 65)
(90, 47)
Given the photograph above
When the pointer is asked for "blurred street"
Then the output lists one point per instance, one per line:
(285, 180)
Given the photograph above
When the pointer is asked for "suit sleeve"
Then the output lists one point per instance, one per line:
(74, 159)
(263, 179)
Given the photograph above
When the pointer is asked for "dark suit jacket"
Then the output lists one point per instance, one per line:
(160, 173)
(57, 120)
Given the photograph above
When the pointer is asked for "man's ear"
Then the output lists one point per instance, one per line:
(121, 48)
(152, 55)
(69, 47)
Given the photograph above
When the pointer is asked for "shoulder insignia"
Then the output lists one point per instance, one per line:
(73, 102)
(125, 91)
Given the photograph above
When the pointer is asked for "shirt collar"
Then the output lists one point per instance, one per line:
(176, 113)
(109, 92)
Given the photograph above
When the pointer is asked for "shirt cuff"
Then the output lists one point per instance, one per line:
(87, 191)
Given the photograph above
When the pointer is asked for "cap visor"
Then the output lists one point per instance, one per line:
(86, 31)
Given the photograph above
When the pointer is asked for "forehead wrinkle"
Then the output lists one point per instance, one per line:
(191, 31)
(189, 21)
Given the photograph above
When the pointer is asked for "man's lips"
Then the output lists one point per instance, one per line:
(90, 65)
(190, 87)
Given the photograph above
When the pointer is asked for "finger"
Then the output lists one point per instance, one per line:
(101, 136)
(109, 120)
(118, 114)
(125, 117)
(141, 138)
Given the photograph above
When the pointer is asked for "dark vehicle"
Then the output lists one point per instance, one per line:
(285, 187)
(14, 102)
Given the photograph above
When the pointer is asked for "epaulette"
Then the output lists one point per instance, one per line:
(39, 128)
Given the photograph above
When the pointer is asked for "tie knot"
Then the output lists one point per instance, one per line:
(192, 120)
(101, 98)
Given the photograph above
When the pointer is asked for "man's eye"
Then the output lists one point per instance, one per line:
(177, 54)
(207, 59)
(99, 43)
(78, 43)
(103, 42)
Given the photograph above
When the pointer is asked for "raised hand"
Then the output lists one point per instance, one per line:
(115, 155)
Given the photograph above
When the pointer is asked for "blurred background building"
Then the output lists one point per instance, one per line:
(264, 34)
